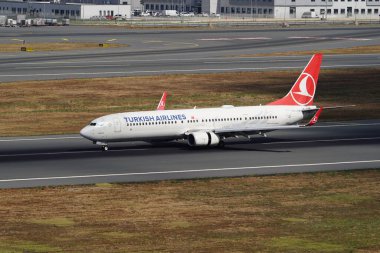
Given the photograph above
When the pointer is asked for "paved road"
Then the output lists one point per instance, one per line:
(55, 160)
(191, 51)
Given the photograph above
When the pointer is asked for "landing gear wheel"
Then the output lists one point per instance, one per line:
(104, 148)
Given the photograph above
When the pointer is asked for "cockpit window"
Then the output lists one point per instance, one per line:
(92, 124)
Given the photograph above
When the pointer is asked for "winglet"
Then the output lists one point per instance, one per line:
(161, 104)
(315, 118)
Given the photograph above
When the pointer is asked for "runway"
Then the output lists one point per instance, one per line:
(70, 159)
(152, 52)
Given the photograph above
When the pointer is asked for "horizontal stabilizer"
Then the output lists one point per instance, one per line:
(315, 118)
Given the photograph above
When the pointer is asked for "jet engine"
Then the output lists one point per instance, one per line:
(203, 139)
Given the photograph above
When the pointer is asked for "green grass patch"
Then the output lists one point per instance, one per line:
(289, 243)
(283, 213)
(296, 220)
(68, 105)
(345, 198)
(58, 222)
(104, 185)
(19, 246)
(119, 235)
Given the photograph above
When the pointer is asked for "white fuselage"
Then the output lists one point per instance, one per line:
(174, 124)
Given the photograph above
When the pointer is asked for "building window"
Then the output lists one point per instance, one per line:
(362, 11)
(313, 0)
(356, 11)
(342, 11)
(328, 11)
(293, 1)
(222, 9)
(369, 11)
(335, 11)
(376, 11)
(270, 11)
(248, 10)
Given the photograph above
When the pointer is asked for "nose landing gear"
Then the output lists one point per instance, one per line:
(103, 144)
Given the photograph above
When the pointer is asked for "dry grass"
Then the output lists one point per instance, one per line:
(64, 106)
(57, 46)
(350, 50)
(323, 212)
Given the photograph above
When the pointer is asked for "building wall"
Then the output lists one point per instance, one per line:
(288, 9)
(247, 8)
(89, 11)
(52, 10)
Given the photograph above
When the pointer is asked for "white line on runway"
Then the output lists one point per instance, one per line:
(228, 39)
(143, 149)
(188, 171)
(333, 38)
(174, 71)
(42, 139)
(336, 124)
(73, 152)
(327, 140)
(251, 61)
(74, 66)
(175, 59)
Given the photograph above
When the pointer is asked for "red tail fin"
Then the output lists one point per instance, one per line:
(161, 104)
(303, 91)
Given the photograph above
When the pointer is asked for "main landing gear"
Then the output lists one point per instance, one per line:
(104, 148)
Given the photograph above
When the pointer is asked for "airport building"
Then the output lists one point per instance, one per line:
(279, 9)
(63, 10)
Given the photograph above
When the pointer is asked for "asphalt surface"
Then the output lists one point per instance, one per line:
(152, 52)
(57, 160)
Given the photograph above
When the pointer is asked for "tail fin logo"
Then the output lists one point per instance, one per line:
(304, 89)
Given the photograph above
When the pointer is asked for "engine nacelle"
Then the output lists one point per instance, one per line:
(203, 139)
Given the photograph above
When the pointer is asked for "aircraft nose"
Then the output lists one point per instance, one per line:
(85, 132)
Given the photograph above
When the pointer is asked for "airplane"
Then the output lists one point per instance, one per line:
(209, 127)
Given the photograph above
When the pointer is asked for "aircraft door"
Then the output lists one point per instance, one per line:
(117, 125)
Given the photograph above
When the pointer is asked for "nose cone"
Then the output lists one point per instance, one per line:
(86, 133)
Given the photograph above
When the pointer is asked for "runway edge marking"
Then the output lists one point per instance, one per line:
(185, 171)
